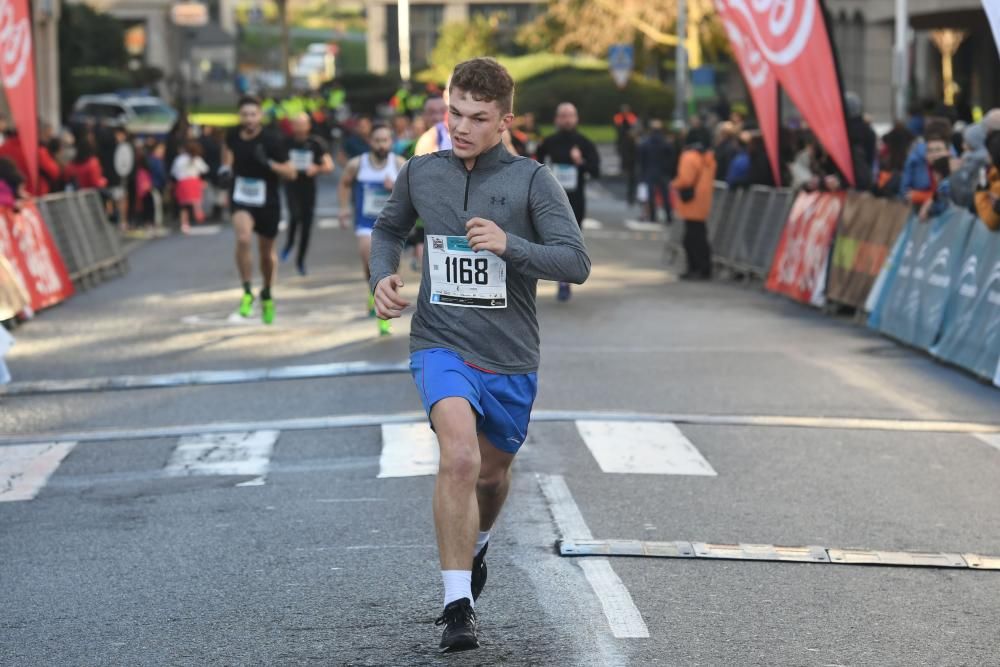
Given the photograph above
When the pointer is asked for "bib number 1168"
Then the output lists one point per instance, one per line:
(467, 270)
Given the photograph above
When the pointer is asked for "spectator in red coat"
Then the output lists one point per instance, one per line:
(85, 169)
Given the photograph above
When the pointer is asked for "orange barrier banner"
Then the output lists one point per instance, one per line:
(869, 227)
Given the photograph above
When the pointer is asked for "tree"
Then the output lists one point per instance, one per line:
(592, 26)
(461, 40)
(91, 53)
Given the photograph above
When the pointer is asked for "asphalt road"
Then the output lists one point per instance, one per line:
(305, 551)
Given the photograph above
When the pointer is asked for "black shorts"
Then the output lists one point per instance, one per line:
(265, 220)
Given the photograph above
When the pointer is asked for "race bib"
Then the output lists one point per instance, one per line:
(374, 199)
(567, 175)
(250, 191)
(301, 159)
(465, 278)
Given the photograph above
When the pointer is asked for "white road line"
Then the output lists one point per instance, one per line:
(649, 448)
(589, 224)
(24, 469)
(991, 439)
(639, 226)
(408, 450)
(247, 453)
(328, 223)
(208, 230)
(202, 378)
(354, 421)
(619, 609)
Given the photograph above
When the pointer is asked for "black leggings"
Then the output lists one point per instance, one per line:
(699, 253)
(301, 211)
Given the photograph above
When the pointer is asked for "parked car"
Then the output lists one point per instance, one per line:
(141, 116)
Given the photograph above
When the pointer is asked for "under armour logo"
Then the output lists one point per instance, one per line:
(498, 200)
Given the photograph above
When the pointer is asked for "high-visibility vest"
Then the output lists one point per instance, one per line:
(336, 98)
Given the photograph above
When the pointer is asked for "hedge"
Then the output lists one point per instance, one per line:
(594, 93)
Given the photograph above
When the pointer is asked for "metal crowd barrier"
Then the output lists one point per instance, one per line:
(87, 241)
(745, 227)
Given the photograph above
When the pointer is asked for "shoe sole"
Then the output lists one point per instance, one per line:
(460, 646)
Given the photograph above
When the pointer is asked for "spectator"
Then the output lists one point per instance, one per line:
(85, 172)
(804, 169)
(738, 171)
(892, 159)
(657, 157)
(727, 146)
(628, 152)
(974, 163)
(187, 170)
(863, 142)
(11, 184)
(760, 172)
(916, 185)
(693, 186)
(940, 171)
(987, 197)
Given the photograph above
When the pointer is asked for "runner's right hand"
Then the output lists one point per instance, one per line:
(389, 303)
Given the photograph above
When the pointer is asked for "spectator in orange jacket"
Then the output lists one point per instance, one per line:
(693, 189)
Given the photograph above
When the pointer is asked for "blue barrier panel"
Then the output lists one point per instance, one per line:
(887, 276)
(914, 309)
(971, 337)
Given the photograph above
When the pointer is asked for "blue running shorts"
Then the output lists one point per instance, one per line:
(502, 402)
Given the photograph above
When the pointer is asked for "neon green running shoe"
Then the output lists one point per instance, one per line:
(267, 311)
(246, 305)
(371, 305)
(384, 328)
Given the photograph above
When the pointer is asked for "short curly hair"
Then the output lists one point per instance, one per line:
(487, 81)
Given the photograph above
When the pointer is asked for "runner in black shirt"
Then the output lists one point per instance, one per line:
(256, 159)
(572, 157)
(310, 157)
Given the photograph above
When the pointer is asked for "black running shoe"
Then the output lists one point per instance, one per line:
(459, 621)
(479, 572)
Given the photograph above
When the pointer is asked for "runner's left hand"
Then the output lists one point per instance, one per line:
(486, 235)
(576, 155)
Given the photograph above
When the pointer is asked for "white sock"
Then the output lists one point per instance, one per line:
(481, 541)
(457, 585)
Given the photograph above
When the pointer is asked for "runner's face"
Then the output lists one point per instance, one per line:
(475, 126)
(566, 117)
(434, 111)
(250, 117)
(381, 143)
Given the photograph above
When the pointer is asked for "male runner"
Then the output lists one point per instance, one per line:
(310, 157)
(496, 224)
(573, 156)
(256, 159)
(367, 181)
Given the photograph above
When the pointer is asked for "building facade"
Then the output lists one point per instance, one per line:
(426, 19)
(864, 33)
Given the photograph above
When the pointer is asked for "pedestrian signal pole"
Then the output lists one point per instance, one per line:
(680, 84)
(404, 40)
(900, 64)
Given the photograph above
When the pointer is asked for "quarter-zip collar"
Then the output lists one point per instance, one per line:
(486, 159)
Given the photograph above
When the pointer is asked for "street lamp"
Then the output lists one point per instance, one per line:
(189, 16)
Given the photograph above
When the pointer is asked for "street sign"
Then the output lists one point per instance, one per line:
(621, 60)
(189, 14)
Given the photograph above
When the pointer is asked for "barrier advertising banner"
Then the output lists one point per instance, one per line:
(971, 337)
(868, 230)
(760, 81)
(792, 38)
(36, 264)
(17, 74)
(803, 254)
(914, 309)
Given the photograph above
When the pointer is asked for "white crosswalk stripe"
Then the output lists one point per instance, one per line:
(24, 469)
(247, 453)
(408, 450)
(647, 448)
